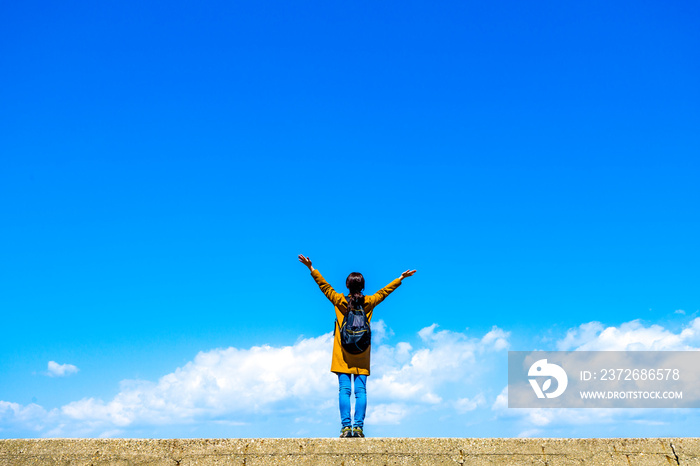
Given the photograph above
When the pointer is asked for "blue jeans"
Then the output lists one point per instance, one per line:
(360, 399)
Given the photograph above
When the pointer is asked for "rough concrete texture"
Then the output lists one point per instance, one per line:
(369, 451)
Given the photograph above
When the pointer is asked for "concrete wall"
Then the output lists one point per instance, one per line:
(369, 451)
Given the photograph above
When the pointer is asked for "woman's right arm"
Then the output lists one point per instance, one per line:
(379, 296)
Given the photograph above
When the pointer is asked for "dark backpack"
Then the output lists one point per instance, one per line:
(355, 334)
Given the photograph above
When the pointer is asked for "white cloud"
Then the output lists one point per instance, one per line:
(445, 373)
(380, 332)
(32, 417)
(112, 433)
(501, 402)
(401, 373)
(546, 417)
(630, 336)
(61, 370)
(221, 382)
(237, 385)
(594, 336)
(496, 338)
(384, 414)
(427, 332)
(580, 335)
(464, 405)
(558, 417)
(530, 433)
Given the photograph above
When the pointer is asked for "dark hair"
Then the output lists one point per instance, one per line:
(355, 283)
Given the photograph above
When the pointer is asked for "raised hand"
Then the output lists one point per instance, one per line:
(407, 273)
(307, 261)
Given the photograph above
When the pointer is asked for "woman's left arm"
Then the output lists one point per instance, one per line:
(333, 296)
(307, 262)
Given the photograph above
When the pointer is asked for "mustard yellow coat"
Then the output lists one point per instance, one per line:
(344, 362)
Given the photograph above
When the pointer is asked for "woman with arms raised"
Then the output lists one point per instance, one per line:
(351, 364)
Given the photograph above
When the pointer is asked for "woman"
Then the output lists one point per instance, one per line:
(351, 366)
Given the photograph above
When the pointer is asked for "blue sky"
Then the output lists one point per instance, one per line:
(163, 164)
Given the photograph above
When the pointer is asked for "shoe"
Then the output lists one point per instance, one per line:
(346, 432)
(357, 432)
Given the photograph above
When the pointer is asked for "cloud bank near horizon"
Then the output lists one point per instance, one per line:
(445, 373)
